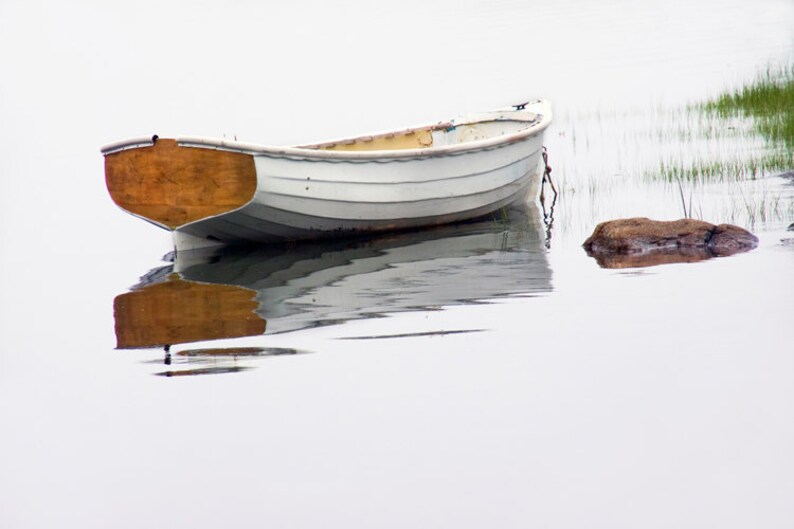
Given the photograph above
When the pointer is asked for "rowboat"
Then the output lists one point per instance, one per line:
(217, 191)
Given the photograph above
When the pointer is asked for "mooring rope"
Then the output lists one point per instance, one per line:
(548, 218)
(547, 173)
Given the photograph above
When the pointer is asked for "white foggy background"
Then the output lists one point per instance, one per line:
(549, 420)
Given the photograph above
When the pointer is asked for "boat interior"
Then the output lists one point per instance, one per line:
(438, 135)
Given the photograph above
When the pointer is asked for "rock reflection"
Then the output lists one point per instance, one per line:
(231, 292)
(644, 260)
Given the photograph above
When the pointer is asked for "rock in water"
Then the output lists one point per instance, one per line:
(642, 235)
(644, 242)
(727, 239)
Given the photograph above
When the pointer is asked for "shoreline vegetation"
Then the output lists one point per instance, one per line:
(716, 159)
(769, 100)
(763, 108)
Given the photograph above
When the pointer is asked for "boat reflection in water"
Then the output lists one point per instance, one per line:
(235, 292)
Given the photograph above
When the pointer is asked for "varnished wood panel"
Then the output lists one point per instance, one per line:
(179, 311)
(173, 185)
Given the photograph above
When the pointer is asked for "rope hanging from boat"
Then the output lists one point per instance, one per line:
(548, 218)
(547, 173)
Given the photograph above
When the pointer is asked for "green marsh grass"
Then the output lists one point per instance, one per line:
(762, 109)
(769, 100)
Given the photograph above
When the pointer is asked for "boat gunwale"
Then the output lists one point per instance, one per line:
(537, 122)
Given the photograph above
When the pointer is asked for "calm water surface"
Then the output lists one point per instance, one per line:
(484, 375)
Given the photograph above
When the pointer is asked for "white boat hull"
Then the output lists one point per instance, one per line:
(307, 193)
(289, 204)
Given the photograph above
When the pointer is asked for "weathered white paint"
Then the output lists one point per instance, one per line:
(476, 165)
